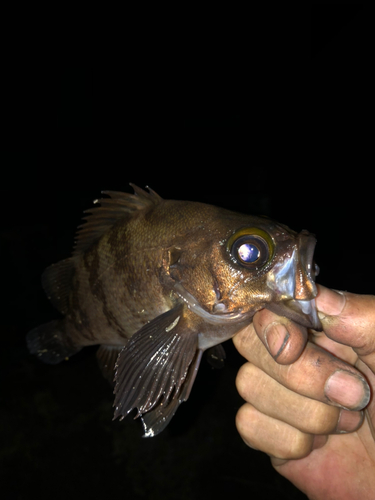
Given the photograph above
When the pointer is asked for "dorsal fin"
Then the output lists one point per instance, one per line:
(110, 211)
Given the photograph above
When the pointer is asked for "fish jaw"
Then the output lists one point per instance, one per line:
(302, 312)
(293, 282)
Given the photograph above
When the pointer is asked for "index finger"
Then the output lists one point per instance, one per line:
(316, 374)
(349, 319)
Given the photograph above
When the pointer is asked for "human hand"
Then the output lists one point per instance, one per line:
(305, 409)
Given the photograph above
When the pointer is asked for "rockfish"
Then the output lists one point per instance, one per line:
(157, 282)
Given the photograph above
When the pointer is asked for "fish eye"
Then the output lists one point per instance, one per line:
(250, 250)
(251, 247)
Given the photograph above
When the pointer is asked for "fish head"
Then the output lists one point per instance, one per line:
(239, 269)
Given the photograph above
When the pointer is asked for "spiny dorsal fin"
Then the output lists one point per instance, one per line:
(110, 211)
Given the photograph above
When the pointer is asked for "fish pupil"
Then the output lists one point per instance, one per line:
(248, 253)
(250, 250)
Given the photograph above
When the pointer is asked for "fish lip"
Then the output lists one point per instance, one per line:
(293, 282)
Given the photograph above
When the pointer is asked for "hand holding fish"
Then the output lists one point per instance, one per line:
(305, 406)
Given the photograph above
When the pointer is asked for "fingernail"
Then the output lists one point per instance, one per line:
(276, 336)
(349, 421)
(319, 441)
(330, 302)
(347, 390)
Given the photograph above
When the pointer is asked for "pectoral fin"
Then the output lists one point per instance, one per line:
(154, 369)
(157, 420)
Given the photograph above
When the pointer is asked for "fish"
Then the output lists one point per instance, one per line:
(157, 282)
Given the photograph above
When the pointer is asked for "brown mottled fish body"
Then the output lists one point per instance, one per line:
(177, 278)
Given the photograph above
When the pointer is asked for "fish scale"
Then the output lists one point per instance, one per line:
(156, 282)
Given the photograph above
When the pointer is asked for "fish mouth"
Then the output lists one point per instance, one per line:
(293, 281)
(302, 312)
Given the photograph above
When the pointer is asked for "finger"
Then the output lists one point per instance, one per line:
(268, 434)
(305, 414)
(316, 374)
(349, 319)
(342, 351)
(284, 339)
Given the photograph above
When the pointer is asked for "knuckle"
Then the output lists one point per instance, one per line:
(243, 380)
(244, 420)
(314, 417)
(323, 419)
(291, 444)
(271, 436)
(300, 445)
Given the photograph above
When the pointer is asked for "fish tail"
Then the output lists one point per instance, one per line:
(50, 342)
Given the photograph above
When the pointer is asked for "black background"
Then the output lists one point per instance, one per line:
(280, 128)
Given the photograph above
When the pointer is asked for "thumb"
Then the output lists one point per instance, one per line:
(349, 319)
(284, 339)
